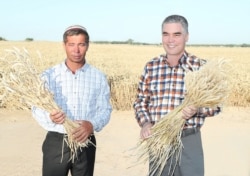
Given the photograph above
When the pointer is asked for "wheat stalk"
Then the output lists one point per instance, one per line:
(19, 78)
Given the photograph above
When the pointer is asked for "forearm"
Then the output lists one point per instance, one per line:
(100, 120)
(100, 116)
(141, 104)
(141, 113)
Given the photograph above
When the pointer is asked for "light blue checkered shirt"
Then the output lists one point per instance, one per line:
(84, 95)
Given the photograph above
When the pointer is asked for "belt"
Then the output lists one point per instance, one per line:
(62, 135)
(189, 131)
(56, 134)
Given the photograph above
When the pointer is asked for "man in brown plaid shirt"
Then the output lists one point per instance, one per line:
(162, 88)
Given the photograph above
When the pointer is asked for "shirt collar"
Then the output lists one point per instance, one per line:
(82, 69)
(182, 60)
(186, 61)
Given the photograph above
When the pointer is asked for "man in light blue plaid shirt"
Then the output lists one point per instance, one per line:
(83, 94)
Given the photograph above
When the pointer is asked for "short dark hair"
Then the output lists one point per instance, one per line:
(176, 19)
(75, 30)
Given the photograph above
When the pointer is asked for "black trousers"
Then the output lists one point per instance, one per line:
(56, 157)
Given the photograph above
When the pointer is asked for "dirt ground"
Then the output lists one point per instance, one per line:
(226, 144)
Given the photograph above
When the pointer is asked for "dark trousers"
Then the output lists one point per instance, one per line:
(191, 162)
(56, 157)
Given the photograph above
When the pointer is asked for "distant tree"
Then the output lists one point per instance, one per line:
(29, 39)
(2, 39)
(130, 41)
(244, 45)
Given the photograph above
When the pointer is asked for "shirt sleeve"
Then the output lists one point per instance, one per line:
(43, 119)
(142, 100)
(103, 107)
(208, 112)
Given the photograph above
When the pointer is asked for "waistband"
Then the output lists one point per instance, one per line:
(189, 131)
(63, 135)
(56, 134)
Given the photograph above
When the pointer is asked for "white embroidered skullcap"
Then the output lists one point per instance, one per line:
(75, 27)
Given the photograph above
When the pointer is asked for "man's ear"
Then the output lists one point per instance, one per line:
(187, 37)
(63, 45)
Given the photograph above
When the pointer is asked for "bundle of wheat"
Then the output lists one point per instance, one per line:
(207, 87)
(20, 79)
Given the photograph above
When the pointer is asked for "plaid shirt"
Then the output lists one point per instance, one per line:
(84, 95)
(162, 88)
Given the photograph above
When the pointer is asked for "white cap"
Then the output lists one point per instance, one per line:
(75, 27)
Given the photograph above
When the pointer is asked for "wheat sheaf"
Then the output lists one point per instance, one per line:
(207, 87)
(20, 80)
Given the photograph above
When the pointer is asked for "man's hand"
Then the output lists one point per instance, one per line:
(189, 111)
(82, 133)
(146, 130)
(57, 116)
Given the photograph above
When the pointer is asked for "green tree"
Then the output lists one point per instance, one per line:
(2, 39)
(29, 39)
(130, 41)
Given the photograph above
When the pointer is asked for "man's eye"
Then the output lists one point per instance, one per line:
(165, 34)
(83, 44)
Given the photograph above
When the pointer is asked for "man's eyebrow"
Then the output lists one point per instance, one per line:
(176, 33)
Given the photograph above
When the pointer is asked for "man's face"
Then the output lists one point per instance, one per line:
(174, 39)
(76, 48)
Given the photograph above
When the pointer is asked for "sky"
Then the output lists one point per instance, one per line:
(210, 21)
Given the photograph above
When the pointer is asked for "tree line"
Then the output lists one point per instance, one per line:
(132, 42)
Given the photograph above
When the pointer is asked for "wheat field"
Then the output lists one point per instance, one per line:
(123, 65)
